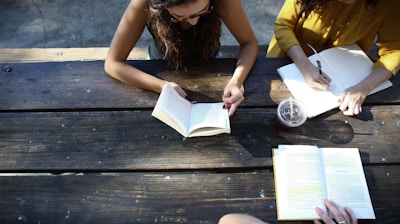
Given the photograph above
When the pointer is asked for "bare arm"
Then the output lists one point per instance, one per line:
(353, 97)
(239, 219)
(310, 72)
(127, 34)
(236, 21)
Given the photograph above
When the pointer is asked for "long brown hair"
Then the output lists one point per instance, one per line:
(309, 5)
(170, 37)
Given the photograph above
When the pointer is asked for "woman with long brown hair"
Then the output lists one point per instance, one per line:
(183, 31)
(330, 23)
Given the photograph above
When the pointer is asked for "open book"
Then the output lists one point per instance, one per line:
(191, 120)
(345, 65)
(306, 175)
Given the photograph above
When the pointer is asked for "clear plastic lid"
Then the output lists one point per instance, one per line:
(291, 112)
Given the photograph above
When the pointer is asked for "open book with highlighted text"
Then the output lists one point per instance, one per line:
(305, 175)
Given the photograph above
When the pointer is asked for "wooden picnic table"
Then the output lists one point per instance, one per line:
(77, 146)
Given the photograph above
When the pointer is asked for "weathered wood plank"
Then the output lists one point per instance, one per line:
(72, 117)
(85, 85)
(134, 140)
(134, 197)
(169, 197)
(26, 55)
(70, 85)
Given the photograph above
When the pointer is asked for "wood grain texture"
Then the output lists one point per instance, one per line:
(134, 140)
(77, 146)
(85, 85)
(27, 55)
(167, 197)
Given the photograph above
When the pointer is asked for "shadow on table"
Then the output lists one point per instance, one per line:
(338, 131)
(334, 131)
(259, 135)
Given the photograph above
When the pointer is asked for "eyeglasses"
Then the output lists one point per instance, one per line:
(175, 20)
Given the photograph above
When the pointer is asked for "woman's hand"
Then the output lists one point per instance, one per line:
(233, 96)
(181, 92)
(310, 72)
(341, 215)
(178, 89)
(352, 99)
(236, 21)
(314, 78)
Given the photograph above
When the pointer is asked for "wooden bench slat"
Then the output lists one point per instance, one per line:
(24, 55)
(134, 140)
(27, 55)
(85, 85)
(168, 197)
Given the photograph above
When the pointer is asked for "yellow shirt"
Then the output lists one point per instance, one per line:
(341, 24)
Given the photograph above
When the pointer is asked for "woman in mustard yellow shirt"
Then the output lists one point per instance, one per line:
(329, 23)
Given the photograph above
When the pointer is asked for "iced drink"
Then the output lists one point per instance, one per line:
(291, 113)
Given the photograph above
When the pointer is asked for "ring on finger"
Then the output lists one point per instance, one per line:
(342, 222)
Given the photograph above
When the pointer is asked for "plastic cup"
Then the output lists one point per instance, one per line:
(291, 113)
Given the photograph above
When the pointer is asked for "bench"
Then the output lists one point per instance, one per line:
(9, 55)
(80, 147)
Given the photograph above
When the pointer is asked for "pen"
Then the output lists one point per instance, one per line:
(319, 67)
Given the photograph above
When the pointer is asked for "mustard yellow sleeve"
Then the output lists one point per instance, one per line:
(285, 25)
(389, 39)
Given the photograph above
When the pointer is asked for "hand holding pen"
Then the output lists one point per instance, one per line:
(322, 79)
(319, 67)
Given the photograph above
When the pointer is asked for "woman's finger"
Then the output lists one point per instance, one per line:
(324, 216)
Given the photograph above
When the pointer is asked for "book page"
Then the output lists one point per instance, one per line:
(298, 182)
(173, 109)
(335, 86)
(208, 118)
(345, 179)
(346, 66)
(350, 65)
(315, 101)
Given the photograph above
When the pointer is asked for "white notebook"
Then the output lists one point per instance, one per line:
(345, 65)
